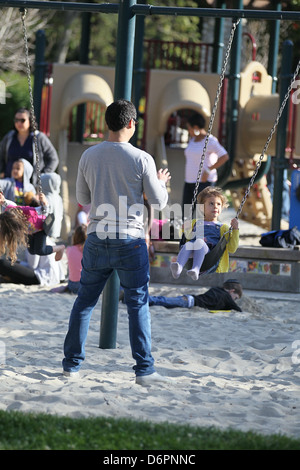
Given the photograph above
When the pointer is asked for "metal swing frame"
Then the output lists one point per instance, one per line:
(212, 257)
(127, 11)
(23, 13)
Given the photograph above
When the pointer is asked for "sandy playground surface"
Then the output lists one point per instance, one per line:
(229, 370)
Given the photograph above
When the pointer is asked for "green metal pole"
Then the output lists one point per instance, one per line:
(109, 313)
(83, 59)
(273, 57)
(150, 10)
(233, 100)
(138, 70)
(280, 161)
(218, 40)
(274, 46)
(125, 50)
(39, 73)
(123, 86)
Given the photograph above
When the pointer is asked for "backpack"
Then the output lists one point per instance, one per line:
(281, 238)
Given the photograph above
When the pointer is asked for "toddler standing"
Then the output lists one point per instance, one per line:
(74, 255)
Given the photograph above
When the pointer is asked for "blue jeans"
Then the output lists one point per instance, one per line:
(185, 301)
(129, 258)
(73, 286)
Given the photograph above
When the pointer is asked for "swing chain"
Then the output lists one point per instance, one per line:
(287, 95)
(212, 117)
(23, 13)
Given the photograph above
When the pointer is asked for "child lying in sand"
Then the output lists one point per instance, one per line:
(216, 298)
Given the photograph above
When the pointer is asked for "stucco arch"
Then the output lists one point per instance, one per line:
(71, 88)
(182, 93)
(83, 88)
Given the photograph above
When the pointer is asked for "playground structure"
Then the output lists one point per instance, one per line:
(74, 85)
(258, 106)
(119, 85)
(169, 92)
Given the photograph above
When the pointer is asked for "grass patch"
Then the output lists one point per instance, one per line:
(25, 431)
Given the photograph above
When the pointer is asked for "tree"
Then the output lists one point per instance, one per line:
(64, 31)
(172, 27)
(12, 55)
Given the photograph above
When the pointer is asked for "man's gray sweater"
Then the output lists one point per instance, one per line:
(112, 177)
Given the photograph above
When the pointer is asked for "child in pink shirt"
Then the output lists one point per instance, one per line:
(74, 255)
(22, 226)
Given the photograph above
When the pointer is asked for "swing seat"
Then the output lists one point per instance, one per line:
(48, 222)
(212, 258)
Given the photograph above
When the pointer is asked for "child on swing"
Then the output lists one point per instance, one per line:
(210, 231)
(23, 226)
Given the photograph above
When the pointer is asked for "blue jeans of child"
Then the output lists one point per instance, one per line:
(38, 244)
(129, 257)
(185, 301)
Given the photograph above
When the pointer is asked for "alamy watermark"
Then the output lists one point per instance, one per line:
(122, 221)
(296, 353)
(296, 94)
(2, 353)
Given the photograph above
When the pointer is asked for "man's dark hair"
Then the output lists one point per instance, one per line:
(233, 284)
(118, 114)
(196, 120)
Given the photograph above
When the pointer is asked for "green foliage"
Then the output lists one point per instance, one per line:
(103, 32)
(17, 96)
(171, 27)
(20, 431)
(103, 42)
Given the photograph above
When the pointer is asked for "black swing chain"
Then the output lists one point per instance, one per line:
(272, 131)
(23, 13)
(259, 162)
(213, 114)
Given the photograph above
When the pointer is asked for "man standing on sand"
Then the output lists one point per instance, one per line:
(112, 177)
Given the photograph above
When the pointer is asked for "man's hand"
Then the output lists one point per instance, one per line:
(164, 175)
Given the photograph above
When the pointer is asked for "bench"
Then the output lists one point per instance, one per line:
(257, 268)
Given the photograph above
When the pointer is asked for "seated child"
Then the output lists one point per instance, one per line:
(213, 201)
(16, 187)
(74, 255)
(51, 184)
(20, 225)
(33, 270)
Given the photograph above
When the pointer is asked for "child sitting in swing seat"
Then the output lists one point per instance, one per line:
(211, 230)
(23, 226)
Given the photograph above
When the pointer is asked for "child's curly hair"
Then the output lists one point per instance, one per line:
(13, 233)
(210, 191)
(79, 236)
